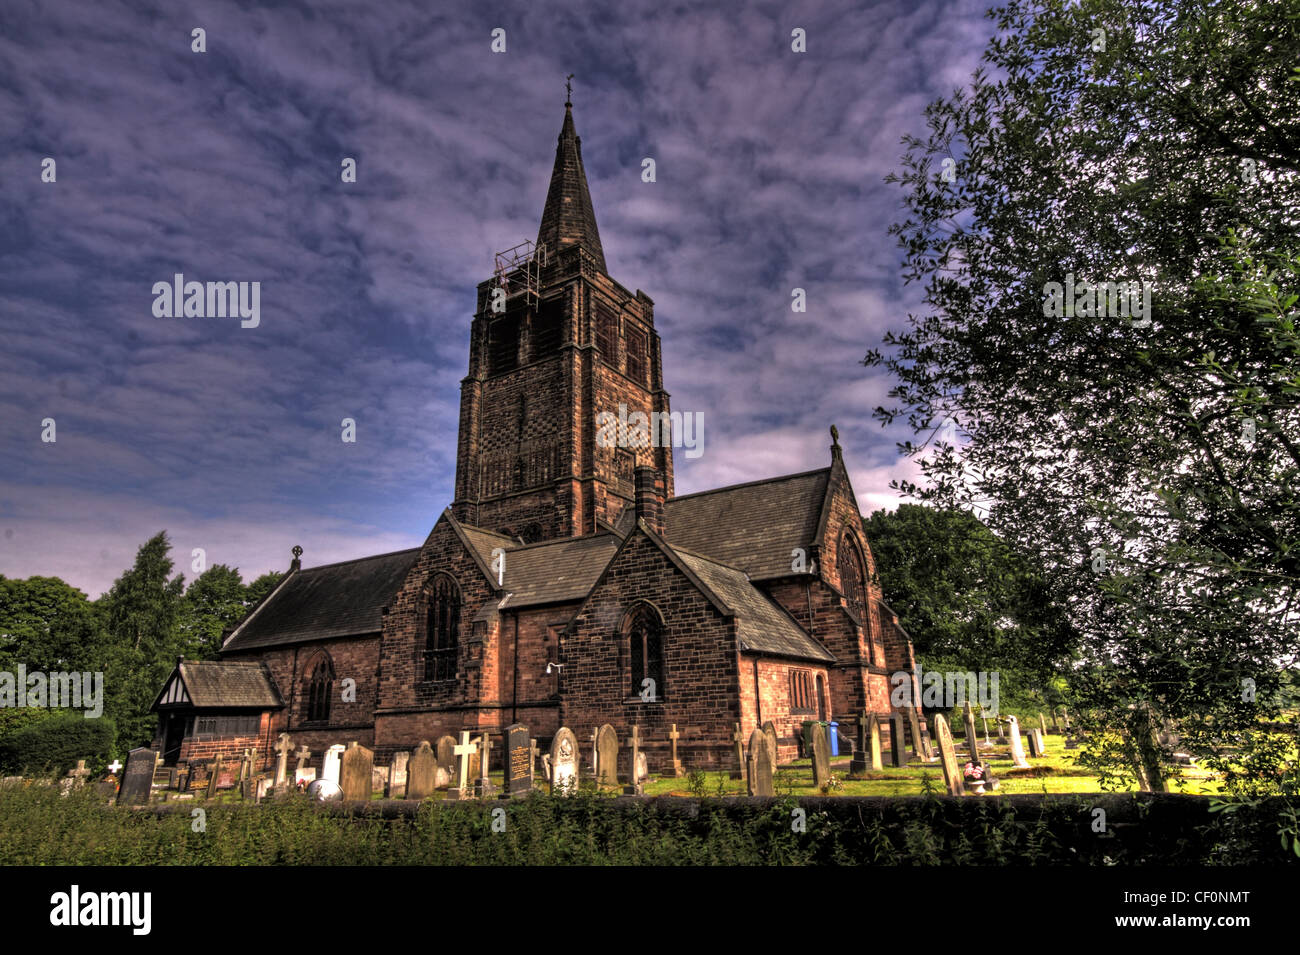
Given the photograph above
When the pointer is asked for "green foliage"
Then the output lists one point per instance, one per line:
(47, 625)
(214, 602)
(53, 744)
(38, 827)
(1147, 465)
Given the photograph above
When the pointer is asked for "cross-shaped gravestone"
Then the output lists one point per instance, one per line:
(738, 738)
(302, 756)
(114, 766)
(283, 746)
(532, 757)
(634, 741)
(78, 776)
(463, 750)
(674, 764)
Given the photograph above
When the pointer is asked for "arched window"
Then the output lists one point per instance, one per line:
(442, 636)
(853, 576)
(645, 653)
(320, 691)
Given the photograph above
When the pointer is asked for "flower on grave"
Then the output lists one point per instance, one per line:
(974, 771)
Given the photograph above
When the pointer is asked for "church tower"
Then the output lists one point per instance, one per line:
(554, 343)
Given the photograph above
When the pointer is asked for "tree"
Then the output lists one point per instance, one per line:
(47, 625)
(966, 598)
(1141, 444)
(215, 601)
(142, 609)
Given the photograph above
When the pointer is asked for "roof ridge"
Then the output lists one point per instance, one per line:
(733, 487)
(562, 540)
(357, 560)
(705, 557)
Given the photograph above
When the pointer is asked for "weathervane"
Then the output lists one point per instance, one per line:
(568, 90)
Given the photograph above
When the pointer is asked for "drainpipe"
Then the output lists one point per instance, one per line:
(514, 692)
(758, 697)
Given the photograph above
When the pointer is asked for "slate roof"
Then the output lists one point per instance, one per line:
(226, 683)
(751, 526)
(333, 600)
(762, 626)
(556, 571)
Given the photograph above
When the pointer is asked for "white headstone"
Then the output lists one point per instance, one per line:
(333, 761)
(1017, 746)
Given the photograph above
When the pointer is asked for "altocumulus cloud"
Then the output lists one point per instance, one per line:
(225, 165)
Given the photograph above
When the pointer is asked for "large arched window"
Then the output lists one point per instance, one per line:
(320, 690)
(644, 631)
(442, 636)
(853, 576)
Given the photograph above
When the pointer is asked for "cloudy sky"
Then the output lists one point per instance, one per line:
(225, 165)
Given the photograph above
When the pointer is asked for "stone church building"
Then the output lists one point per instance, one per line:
(566, 584)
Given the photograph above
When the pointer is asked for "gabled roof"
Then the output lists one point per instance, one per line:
(208, 684)
(568, 219)
(762, 625)
(333, 600)
(752, 527)
(556, 571)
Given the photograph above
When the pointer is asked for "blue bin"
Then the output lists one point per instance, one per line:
(835, 738)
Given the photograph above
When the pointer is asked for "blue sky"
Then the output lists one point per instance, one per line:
(225, 166)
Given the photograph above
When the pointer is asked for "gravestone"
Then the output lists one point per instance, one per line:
(821, 756)
(914, 724)
(463, 752)
(633, 788)
(1017, 747)
(1002, 734)
(330, 768)
(769, 730)
(738, 740)
(607, 756)
(420, 771)
(674, 767)
(642, 768)
(1036, 748)
(283, 746)
(1042, 724)
(897, 750)
(858, 764)
(532, 756)
(356, 775)
(564, 762)
(300, 769)
(479, 767)
(1056, 725)
(952, 775)
(972, 741)
(446, 756)
(396, 788)
(77, 777)
(873, 743)
(138, 780)
(518, 761)
(761, 767)
(214, 774)
(595, 734)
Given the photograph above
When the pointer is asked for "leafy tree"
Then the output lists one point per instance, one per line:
(215, 601)
(142, 611)
(259, 588)
(47, 625)
(1145, 457)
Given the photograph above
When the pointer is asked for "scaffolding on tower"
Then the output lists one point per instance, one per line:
(519, 271)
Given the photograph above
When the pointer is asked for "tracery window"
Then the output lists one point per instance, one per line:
(442, 633)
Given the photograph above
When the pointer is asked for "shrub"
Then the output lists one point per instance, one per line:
(52, 746)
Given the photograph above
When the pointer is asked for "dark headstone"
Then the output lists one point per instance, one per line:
(518, 760)
(897, 747)
(1036, 747)
(607, 756)
(821, 756)
(138, 778)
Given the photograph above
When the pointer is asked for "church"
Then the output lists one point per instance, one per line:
(566, 584)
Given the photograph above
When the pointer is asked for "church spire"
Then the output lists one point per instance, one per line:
(569, 218)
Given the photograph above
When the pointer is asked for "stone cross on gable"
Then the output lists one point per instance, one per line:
(463, 750)
(114, 766)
